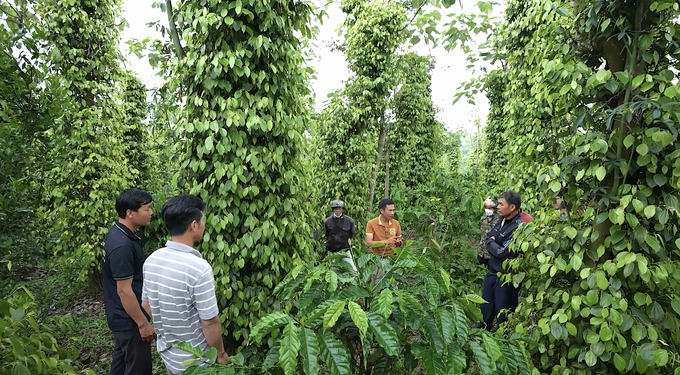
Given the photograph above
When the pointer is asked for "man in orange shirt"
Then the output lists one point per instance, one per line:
(384, 229)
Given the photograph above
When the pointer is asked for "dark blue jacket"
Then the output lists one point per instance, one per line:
(339, 230)
(498, 247)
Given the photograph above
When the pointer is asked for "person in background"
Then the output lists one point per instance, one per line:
(122, 279)
(339, 230)
(384, 229)
(486, 223)
(179, 287)
(500, 296)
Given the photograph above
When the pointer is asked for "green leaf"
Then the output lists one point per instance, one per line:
(660, 179)
(650, 211)
(629, 140)
(272, 357)
(411, 300)
(384, 333)
(474, 298)
(601, 280)
(309, 350)
(642, 149)
(556, 330)
(332, 314)
(623, 77)
(236, 359)
(555, 186)
(433, 363)
(645, 41)
(385, 303)
(290, 346)
(268, 324)
(335, 354)
(486, 365)
(187, 347)
(358, 317)
(461, 322)
(661, 357)
(619, 362)
(656, 312)
(637, 81)
(605, 333)
(20, 369)
(591, 359)
(571, 232)
(602, 75)
(653, 242)
(491, 347)
(211, 354)
(444, 320)
(600, 173)
(565, 89)
(605, 24)
(675, 304)
(431, 292)
(446, 279)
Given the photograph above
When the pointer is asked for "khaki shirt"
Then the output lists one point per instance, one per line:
(381, 232)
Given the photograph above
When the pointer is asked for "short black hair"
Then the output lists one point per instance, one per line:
(180, 211)
(511, 197)
(384, 203)
(131, 199)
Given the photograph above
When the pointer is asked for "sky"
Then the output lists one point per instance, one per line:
(331, 68)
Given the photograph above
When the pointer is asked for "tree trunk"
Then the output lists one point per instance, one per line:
(619, 60)
(173, 30)
(376, 167)
(387, 174)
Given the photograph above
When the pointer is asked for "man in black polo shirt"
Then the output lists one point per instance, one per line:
(122, 270)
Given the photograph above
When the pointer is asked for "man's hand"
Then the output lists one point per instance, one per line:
(147, 332)
(223, 358)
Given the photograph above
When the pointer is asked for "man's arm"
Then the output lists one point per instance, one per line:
(147, 308)
(203, 298)
(213, 336)
(132, 308)
(352, 230)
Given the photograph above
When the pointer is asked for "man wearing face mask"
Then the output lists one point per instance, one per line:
(486, 223)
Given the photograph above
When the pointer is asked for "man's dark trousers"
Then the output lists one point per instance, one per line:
(498, 297)
(131, 356)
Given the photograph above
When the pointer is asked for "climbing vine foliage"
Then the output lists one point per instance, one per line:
(90, 165)
(347, 135)
(243, 120)
(591, 112)
(415, 142)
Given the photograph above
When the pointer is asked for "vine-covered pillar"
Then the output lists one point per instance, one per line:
(89, 164)
(241, 135)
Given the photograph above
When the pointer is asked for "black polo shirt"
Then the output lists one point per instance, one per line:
(123, 259)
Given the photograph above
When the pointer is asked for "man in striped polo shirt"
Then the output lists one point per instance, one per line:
(179, 287)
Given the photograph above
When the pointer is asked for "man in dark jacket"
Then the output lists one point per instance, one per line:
(339, 229)
(498, 296)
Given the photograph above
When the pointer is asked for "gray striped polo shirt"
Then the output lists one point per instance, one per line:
(179, 287)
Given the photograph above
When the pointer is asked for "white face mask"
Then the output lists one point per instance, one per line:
(488, 212)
